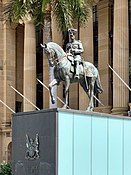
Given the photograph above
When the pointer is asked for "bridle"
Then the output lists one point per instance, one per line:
(53, 59)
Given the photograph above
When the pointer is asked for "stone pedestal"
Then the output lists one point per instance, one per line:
(34, 143)
(103, 109)
(130, 106)
(70, 142)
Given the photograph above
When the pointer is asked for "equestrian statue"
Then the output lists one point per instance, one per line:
(69, 67)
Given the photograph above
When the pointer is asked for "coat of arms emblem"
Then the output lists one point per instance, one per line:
(32, 146)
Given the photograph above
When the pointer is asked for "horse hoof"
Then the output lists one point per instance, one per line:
(53, 101)
(89, 109)
(64, 107)
(77, 77)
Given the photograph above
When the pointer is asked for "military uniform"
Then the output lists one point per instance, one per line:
(75, 48)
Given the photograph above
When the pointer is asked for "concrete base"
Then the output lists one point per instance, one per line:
(34, 159)
(70, 142)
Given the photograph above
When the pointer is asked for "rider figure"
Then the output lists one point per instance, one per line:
(75, 48)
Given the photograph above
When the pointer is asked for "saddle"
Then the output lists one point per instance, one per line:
(71, 59)
(84, 69)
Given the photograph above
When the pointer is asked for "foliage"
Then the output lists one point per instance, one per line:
(62, 11)
(69, 11)
(81, 10)
(5, 169)
(20, 10)
(66, 11)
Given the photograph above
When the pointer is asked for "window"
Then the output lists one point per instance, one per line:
(18, 106)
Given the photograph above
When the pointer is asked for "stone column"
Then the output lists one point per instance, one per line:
(104, 53)
(7, 72)
(86, 37)
(7, 77)
(47, 37)
(29, 65)
(57, 37)
(120, 57)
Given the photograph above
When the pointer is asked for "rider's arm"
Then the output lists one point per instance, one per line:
(68, 47)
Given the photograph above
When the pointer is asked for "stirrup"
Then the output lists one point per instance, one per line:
(76, 77)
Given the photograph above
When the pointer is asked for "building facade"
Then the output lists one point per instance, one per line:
(106, 41)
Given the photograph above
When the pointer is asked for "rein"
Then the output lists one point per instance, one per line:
(59, 60)
(54, 58)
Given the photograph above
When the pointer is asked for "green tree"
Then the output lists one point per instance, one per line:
(17, 10)
(67, 12)
(27, 12)
(5, 169)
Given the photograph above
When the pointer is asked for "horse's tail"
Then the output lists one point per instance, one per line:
(98, 86)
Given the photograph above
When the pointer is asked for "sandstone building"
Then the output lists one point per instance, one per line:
(106, 41)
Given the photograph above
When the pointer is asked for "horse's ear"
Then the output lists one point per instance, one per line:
(45, 45)
(42, 45)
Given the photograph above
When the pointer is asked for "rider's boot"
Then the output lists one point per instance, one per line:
(77, 70)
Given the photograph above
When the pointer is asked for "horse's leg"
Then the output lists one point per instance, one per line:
(85, 85)
(88, 86)
(53, 83)
(67, 84)
(91, 95)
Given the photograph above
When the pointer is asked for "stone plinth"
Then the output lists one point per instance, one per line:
(71, 142)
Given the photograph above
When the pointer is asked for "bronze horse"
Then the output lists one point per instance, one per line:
(63, 71)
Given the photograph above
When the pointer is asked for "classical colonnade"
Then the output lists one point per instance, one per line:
(9, 67)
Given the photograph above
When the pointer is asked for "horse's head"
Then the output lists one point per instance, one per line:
(54, 52)
(50, 53)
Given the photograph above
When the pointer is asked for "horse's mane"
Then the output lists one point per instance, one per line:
(58, 49)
